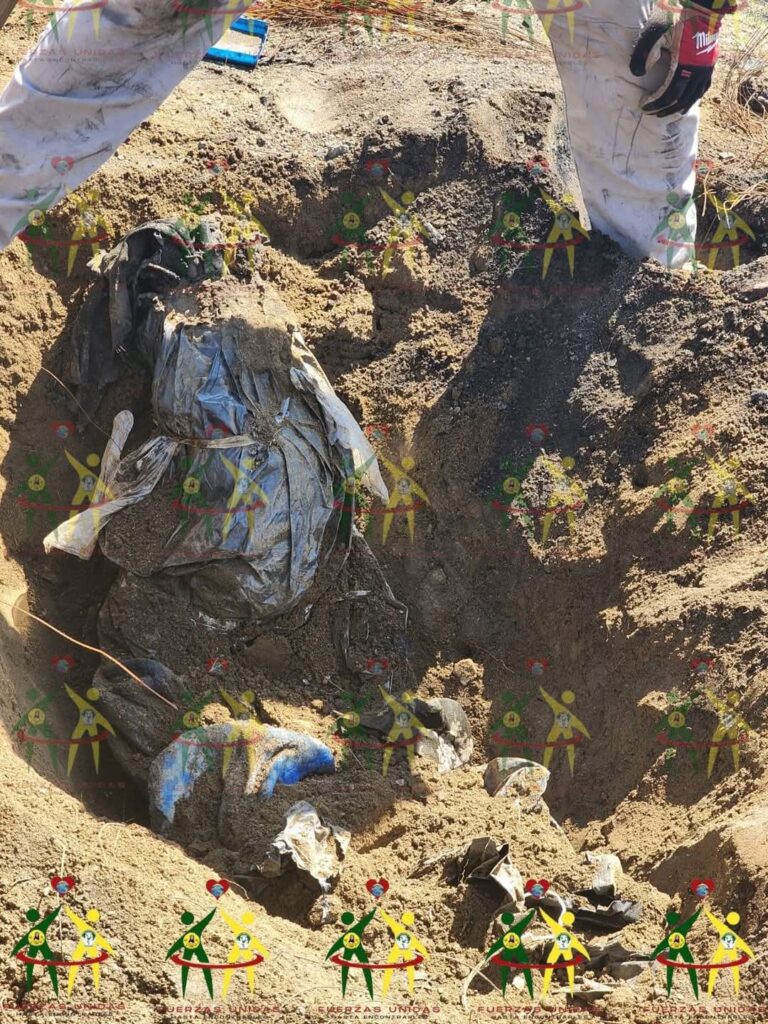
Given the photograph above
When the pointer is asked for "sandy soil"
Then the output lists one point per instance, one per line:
(487, 377)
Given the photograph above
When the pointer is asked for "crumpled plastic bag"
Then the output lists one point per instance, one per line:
(254, 449)
(309, 845)
(482, 860)
(524, 781)
(441, 727)
(272, 756)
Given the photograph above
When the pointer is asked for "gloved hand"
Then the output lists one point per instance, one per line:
(692, 43)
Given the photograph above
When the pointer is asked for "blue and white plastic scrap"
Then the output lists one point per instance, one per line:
(234, 50)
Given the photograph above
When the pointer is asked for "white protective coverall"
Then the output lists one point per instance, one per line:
(628, 162)
(75, 97)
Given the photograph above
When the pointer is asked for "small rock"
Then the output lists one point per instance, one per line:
(589, 991)
(467, 671)
(608, 870)
(759, 398)
(627, 970)
(338, 150)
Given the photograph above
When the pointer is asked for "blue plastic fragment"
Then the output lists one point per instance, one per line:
(252, 27)
(239, 57)
(275, 756)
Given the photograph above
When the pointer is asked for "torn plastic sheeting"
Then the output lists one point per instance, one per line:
(444, 734)
(78, 535)
(308, 844)
(255, 444)
(149, 261)
(271, 755)
(486, 860)
(617, 914)
(608, 873)
(75, 535)
(447, 739)
(613, 953)
(525, 781)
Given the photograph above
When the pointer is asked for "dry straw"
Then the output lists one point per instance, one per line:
(747, 62)
(475, 27)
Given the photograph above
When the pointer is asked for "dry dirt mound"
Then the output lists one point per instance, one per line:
(580, 442)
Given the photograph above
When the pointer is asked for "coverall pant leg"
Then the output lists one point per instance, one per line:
(80, 92)
(628, 162)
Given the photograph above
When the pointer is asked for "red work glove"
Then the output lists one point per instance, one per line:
(692, 44)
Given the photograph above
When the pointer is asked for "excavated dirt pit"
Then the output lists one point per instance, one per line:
(637, 392)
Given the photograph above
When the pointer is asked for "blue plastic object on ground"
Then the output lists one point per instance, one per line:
(232, 53)
(271, 755)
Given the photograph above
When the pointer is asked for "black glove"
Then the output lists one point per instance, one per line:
(692, 44)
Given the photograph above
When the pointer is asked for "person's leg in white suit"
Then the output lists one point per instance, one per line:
(628, 162)
(75, 97)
